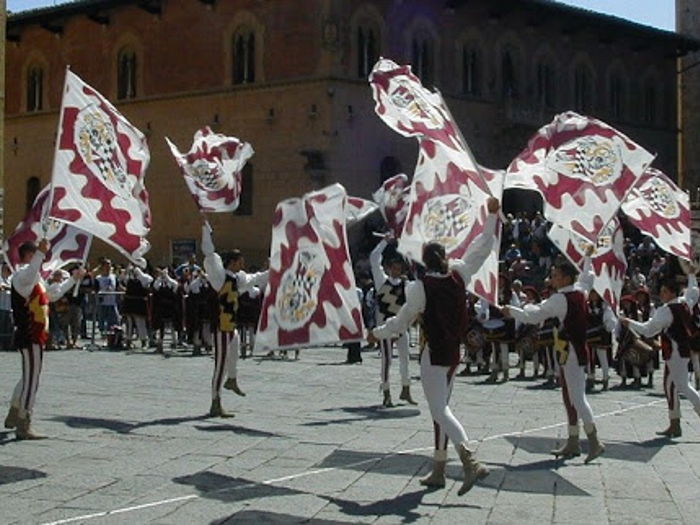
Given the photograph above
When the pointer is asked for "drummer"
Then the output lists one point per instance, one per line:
(601, 324)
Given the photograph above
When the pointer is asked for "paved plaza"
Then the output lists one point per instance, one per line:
(130, 443)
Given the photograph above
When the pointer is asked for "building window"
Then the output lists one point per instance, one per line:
(245, 205)
(509, 78)
(126, 74)
(582, 86)
(35, 89)
(33, 189)
(422, 55)
(650, 103)
(617, 100)
(471, 72)
(545, 85)
(367, 50)
(244, 57)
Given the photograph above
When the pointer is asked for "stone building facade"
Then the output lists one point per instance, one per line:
(688, 23)
(290, 77)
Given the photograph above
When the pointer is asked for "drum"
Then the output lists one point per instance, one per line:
(636, 351)
(527, 344)
(497, 334)
(474, 340)
(598, 336)
(545, 336)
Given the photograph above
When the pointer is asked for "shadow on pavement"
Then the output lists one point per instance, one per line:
(228, 489)
(365, 413)
(376, 462)
(15, 474)
(123, 427)
(642, 451)
(259, 516)
(539, 477)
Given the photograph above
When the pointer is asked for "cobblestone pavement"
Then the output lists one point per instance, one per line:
(130, 443)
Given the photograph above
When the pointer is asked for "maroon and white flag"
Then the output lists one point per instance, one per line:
(447, 201)
(392, 198)
(67, 243)
(212, 169)
(661, 210)
(311, 296)
(357, 209)
(583, 169)
(98, 172)
(608, 263)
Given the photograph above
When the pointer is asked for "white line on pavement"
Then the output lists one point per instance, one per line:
(273, 481)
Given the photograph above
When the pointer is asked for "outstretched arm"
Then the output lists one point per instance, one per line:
(213, 265)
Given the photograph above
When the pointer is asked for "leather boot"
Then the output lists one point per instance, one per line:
(473, 469)
(24, 430)
(232, 384)
(673, 430)
(436, 479)
(606, 384)
(406, 395)
(217, 410)
(595, 447)
(571, 449)
(387, 399)
(12, 418)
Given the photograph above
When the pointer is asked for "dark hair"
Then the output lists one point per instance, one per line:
(672, 284)
(26, 248)
(232, 256)
(434, 257)
(566, 268)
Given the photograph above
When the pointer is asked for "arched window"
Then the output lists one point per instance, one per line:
(582, 90)
(33, 189)
(471, 71)
(126, 74)
(367, 50)
(617, 96)
(245, 205)
(509, 77)
(650, 102)
(545, 84)
(389, 167)
(243, 56)
(422, 55)
(35, 88)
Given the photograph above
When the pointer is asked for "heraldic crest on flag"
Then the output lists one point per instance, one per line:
(661, 210)
(448, 195)
(311, 296)
(212, 169)
(67, 243)
(583, 169)
(608, 263)
(99, 169)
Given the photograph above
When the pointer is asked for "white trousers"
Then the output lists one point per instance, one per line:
(573, 389)
(675, 382)
(437, 385)
(24, 394)
(226, 348)
(386, 354)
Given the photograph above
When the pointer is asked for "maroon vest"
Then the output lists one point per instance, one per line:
(576, 324)
(680, 331)
(444, 318)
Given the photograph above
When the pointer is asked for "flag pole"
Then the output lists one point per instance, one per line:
(55, 154)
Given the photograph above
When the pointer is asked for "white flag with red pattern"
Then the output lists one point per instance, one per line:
(583, 169)
(661, 210)
(99, 169)
(392, 198)
(447, 201)
(357, 209)
(212, 169)
(67, 244)
(608, 263)
(311, 296)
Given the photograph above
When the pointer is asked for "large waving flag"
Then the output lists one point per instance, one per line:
(583, 169)
(661, 210)
(311, 297)
(99, 169)
(212, 169)
(357, 209)
(448, 195)
(608, 263)
(67, 243)
(392, 198)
